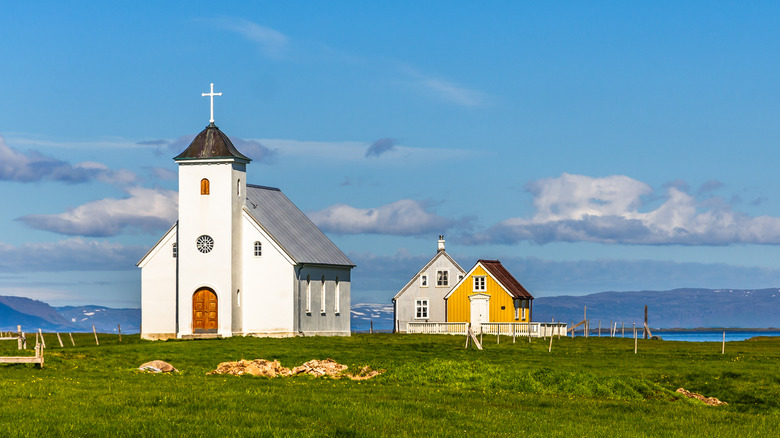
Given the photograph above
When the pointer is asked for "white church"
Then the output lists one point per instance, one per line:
(242, 259)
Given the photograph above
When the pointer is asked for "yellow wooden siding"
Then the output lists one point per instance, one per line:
(459, 305)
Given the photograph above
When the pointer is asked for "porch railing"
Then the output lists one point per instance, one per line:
(535, 329)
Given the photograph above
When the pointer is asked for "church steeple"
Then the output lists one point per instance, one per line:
(211, 143)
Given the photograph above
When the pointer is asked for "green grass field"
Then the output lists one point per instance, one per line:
(432, 387)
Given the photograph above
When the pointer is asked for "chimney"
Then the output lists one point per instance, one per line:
(441, 243)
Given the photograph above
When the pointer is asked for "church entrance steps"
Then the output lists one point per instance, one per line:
(202, 336)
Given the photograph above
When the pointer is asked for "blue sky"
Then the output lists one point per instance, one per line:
(588, 146)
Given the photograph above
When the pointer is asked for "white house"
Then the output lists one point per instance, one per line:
(241, 259)
(422, 298)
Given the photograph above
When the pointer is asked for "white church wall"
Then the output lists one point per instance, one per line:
(238, 192)
(267, 296)
(211, 215)
(158, 290)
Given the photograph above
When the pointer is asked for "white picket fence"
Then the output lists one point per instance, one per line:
(534, 329)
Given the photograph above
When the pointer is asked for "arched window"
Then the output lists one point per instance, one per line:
(258, 249)
(204, 186)
(238, 188)
(308, 294)
(322, 295)
(336, 299)
(175, 250)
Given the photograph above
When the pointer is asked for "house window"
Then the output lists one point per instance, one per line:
(460, 277)
(421, 308)
(308, 294)
(424, 280)
(479, 284)
(175, 250)
(258, 249)
(322, 295)
(238, 188)
(204, 186)
(442, 278)
(238, 297)
(336, 298)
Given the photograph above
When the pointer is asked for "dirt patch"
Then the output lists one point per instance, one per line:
(257, 367)
(316, 368)
(710, 401)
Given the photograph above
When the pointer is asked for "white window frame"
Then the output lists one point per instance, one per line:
(322, 295)
(480, 283)
(421, 309)
(446, 273)
(258, 248)
(336, 297)
(424, 280)
(308, 294)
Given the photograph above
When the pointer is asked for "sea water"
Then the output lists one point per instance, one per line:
(709, 335)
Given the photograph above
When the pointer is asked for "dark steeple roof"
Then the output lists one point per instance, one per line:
(211, 143)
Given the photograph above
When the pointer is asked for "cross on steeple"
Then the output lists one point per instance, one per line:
(211, 94)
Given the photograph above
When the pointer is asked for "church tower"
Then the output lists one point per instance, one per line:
(212, 194)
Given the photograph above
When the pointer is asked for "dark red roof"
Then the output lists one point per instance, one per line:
(211, 143)
(499, 272)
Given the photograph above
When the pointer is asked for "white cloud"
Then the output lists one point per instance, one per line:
(609, 210)
(445, 89)
(146, 210)
(270, 41)
(33, 166)
(75, 254)
(454, 93)
(405, 217)
(354, 151)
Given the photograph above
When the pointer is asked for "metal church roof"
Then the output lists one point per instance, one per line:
(292, 229)
(211, 143)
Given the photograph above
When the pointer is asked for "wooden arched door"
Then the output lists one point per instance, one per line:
(204, 311)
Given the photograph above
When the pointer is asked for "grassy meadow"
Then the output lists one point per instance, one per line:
(432, 386)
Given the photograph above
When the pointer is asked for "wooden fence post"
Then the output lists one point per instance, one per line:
(43, 341)
(60, 339)
(723, 348)
(119, 329)
(371, 326)
(549, 349)
(623, 328)
(95, 332)
(513, 333)
(19, 338)
(635, 342)
(71, 339)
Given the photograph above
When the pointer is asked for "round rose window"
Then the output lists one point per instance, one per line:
(205, 244)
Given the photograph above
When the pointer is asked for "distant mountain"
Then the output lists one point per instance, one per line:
(678, 308)
(33, 315)
(105, 319)
(363, 314)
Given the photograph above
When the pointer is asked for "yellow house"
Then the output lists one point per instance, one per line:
(488, 293)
